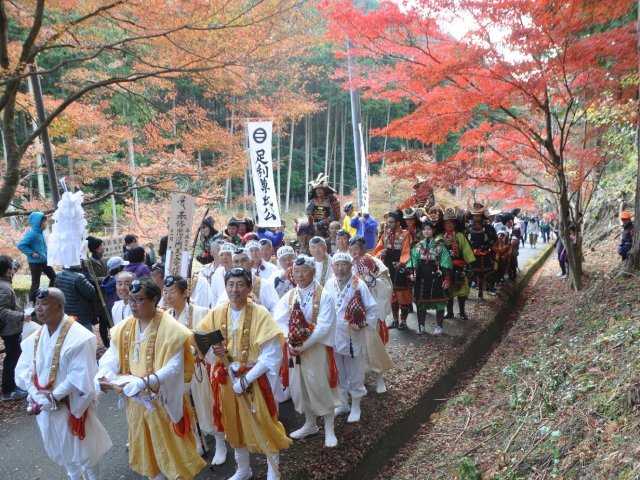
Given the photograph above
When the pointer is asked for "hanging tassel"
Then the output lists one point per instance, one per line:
(350, 347)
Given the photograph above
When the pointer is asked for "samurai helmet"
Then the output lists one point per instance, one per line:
(408, 213)
(321, 181)
(477, 209)
(435, 213)
(450, 214)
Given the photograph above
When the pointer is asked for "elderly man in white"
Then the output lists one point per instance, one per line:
(207, 286)
(57, 367)
(313, 375)
(356, 310)
(318, 250)
(259, 267)
(283, 279)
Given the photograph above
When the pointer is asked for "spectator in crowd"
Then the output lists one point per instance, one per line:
(626, 240)
(150, 254)
(96, 254)
(162, 249)
(114, 266)
(157, 274)
(79, 294)
(334, 227)
(136, 263)
(349, 215)
(11, 320)
(34, 247)
(274, 235)
(534, 231)
(208, 234)
(342, 241)
(266, 250)
(96, 266)
(366, 227)
(121, 309)
(130, 242)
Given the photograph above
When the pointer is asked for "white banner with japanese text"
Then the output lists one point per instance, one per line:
(364, 175)
(267, 209)
(179, 239)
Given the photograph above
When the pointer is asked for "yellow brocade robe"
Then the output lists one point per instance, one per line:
(154, 446)
(236, 417)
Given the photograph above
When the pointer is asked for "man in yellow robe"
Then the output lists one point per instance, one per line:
(149, 361)
(245, 367)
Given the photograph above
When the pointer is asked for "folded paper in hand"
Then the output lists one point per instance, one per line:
(204, 340)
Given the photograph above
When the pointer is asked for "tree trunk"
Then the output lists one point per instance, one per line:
(335, 146)
(574, 255)
(386, 135)
(326, 141)
(39, 159)
(132, 164)
(293, 126)
(633, 260)
(343, 130)
(279, 170)
(114, 210)
(307, 151)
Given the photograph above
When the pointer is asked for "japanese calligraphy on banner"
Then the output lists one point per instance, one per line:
(179, 238)
(364, 175)
(262, 173)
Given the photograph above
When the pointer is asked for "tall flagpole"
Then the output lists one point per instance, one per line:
(354, 95)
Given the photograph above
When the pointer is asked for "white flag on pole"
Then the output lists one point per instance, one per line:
(364, 175)
(262, 173)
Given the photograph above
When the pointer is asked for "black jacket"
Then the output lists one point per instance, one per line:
(80, 299)
(11, 318)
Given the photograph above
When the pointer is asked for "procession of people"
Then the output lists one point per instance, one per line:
(265, 320)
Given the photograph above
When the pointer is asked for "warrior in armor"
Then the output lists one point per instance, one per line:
(323, 207)
(431, 264)
(502, 250)
(461, 257)
(394, 249)
(482, 236)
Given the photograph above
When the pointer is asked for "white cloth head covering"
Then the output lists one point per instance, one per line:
(252, 245)
(317, 240)
(285, 250)
(68, 232)
(227, 248)
(341, 257)
(305, 260)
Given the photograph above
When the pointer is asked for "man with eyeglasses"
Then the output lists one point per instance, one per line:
(307, 316)
(176, 297)
(318, 250)
(262, 289)
(149, 361)
(246, 365)
(57, 367)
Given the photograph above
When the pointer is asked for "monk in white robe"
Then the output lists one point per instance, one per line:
(149, 361)
(210, 281)
(312, 370)
(56, 368)
(259, 267)
(375, 274)
(318, 250)
(356, 311)
(283, 279)
(121, 309)
(189, 315)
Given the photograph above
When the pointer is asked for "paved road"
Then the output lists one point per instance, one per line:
(22, 456)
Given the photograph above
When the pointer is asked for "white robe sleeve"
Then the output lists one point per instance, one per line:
(201, 295)
(325, 324)
(80, 368)
(370, 305)
(268, 295)
(24, 368)
(281, 313)
(172, 388)
(268, 361)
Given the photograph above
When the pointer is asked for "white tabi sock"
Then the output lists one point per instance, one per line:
(273, 467)
(243, 469)
(220, 455)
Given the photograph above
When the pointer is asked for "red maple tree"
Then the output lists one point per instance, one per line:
(518, 86)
